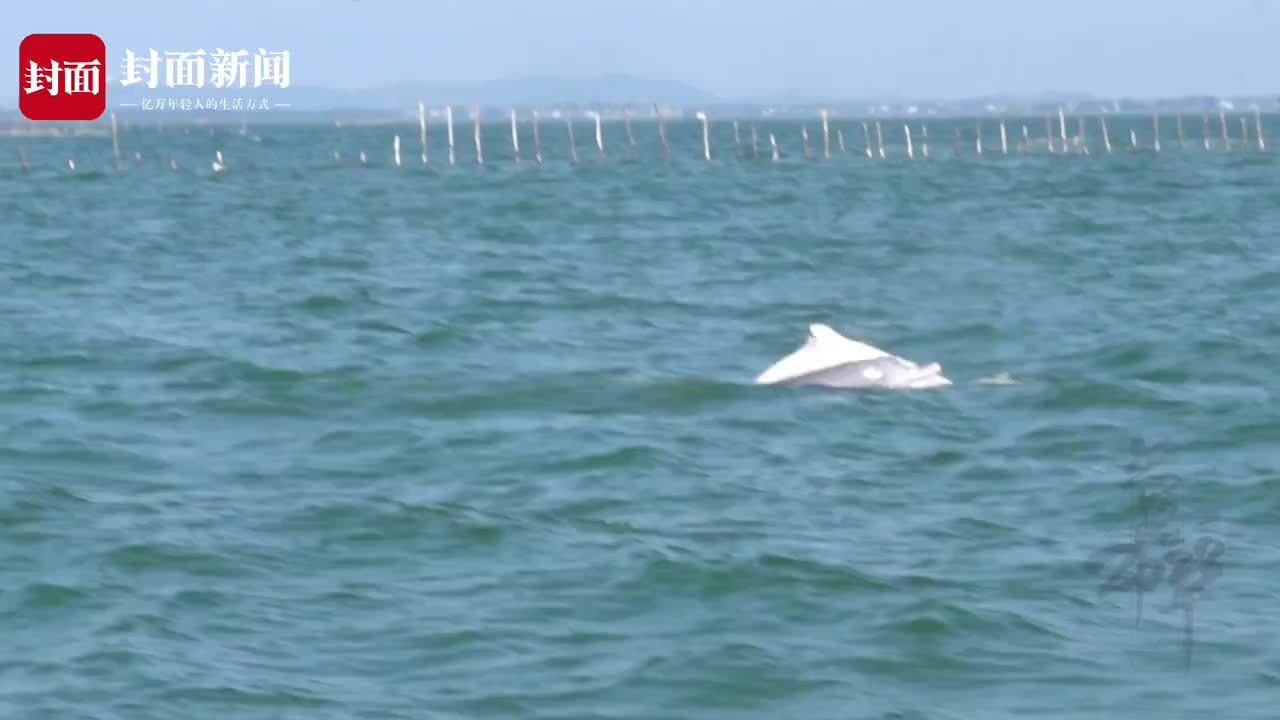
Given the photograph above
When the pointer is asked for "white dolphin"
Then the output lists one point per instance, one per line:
(828, 358)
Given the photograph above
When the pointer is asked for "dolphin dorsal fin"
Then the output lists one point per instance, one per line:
(840, 346)
(821, 332)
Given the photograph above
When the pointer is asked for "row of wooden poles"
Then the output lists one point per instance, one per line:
(1064, 143)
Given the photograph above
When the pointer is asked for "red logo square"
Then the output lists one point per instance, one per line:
(62, 77)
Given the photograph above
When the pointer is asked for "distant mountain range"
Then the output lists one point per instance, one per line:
(537, 91)
(599, 92)
(610, 93)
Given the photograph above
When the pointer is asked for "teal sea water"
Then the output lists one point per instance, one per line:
(308, 440)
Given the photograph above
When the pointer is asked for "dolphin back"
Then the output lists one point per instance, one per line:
(828, 358)
(882, 372)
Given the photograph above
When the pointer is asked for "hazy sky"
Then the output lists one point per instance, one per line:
(936, 48)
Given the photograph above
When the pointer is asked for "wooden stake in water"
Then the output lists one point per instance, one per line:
(573, 145)
(537, 140)
(422, 131)
(1182, 137)
(1106, 136)
(706, 135)
(599, 135)
(826, 136)
(773, 142)
(631, 139)
(866, 138)
(1257, 120)
(448, 118)
(906, 131)
(662, 134)
(395, 146)
(804, 141)
(1155, 131)
(515, 137)
(1004, 139)
(479, 146)
(879, 140)
(755, 143)
(115, 142)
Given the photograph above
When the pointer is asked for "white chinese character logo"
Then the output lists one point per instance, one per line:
(230, 68)
(184, 69)
(74, 78)
(81, 77)
(271, 68)
(39, 78)
(133, 69)
(222, 68)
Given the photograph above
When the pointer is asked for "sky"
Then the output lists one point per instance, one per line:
(941, 49)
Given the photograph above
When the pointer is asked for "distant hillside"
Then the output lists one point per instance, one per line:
(612, 93)
(602, 90)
